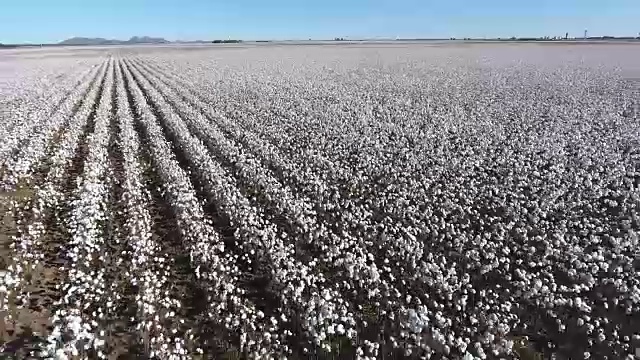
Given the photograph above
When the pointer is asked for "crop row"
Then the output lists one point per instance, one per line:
(338, 205)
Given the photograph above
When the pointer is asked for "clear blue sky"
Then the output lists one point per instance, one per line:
(39, 21)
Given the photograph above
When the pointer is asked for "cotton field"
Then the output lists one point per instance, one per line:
(352, 201)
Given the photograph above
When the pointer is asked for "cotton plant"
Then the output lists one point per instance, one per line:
(439, 202)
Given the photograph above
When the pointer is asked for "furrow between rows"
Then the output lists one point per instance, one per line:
(325, 309)
(318, 237)
(40, 131)
(81, 314)
(198, 245)
(315, 243)
(38, 244)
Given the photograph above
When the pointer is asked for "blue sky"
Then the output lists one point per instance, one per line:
(45, 21)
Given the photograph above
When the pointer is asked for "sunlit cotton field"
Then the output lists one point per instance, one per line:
(369, 201)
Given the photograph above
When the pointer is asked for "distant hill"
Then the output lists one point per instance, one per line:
(102, 41)
(147, 40)
(88, 41)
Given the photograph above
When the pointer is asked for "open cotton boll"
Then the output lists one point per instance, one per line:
(373, 200)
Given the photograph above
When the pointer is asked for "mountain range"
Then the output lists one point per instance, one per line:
(102, 41)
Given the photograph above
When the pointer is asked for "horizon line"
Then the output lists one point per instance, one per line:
(345, 38)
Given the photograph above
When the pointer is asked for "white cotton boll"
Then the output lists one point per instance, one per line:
(61, 355)
(407, 193)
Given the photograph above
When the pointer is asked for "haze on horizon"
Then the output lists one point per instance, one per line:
(40, 21)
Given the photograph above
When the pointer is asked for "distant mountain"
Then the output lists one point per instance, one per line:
(87, 41)
(147, 40)
(102, 41)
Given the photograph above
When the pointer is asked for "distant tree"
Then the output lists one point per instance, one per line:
(226, 41)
